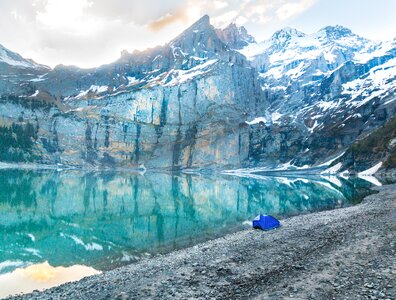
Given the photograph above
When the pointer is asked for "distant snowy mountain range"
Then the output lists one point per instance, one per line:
(293, 65)
(210, 98)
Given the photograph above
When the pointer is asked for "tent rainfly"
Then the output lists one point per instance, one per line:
(265, 222)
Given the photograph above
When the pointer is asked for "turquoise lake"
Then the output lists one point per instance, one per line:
(101, 220)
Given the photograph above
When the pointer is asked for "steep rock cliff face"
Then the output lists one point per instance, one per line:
(235, 37)
(193, 124)
(183, 106)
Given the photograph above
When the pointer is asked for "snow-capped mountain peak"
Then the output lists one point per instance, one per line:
(199, 39)
(12, 59)
(336, 32)
(287, 33)
(284, 36)
(304, 68)
(329, 48)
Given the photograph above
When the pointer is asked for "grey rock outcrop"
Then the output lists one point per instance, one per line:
(183, 105)
(235, 37)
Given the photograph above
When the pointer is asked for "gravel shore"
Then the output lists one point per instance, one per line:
(346, 253)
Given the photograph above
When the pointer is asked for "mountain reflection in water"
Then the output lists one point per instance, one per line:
(103, 220)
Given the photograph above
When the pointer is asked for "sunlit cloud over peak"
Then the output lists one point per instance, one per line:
(92, 32)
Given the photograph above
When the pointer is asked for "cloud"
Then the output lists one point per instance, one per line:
(220, 4)
(92, 32)
(261, 11)
(191, 10)
(226, 18)
(241, 20)
(168, 19)
(137, 12)
(187, 13)
(72, 31)
(291, 9)
(70, 17)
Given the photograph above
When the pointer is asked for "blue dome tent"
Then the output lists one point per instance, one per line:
(265, 222)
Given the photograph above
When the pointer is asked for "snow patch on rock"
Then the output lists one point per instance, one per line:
(372, 170)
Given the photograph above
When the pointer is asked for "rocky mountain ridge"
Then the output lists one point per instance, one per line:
(336, 84)
(210, 98)
(182, 105)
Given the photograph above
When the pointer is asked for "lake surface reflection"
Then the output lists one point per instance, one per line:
(103, 220)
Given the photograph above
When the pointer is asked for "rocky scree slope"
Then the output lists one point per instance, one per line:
(209, 98)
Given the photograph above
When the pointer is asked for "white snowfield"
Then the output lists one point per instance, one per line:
(372, 170)
(35, 94)
(273, 118)
(377, 49)
(333, 170)
(169, 78)
(380, 80)
(257, 121)
(298, 46)
(180, 76)
(132, 81)
(94, 89)
(39, 78)
(368, 174)
(289, 54)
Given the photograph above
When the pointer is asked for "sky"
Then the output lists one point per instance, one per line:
(88, 33)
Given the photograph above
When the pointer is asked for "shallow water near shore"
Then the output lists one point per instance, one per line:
(62, 226)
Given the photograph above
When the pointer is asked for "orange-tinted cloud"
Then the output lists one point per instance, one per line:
(164, 21)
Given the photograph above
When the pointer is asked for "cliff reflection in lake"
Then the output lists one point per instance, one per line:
(103, 220)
